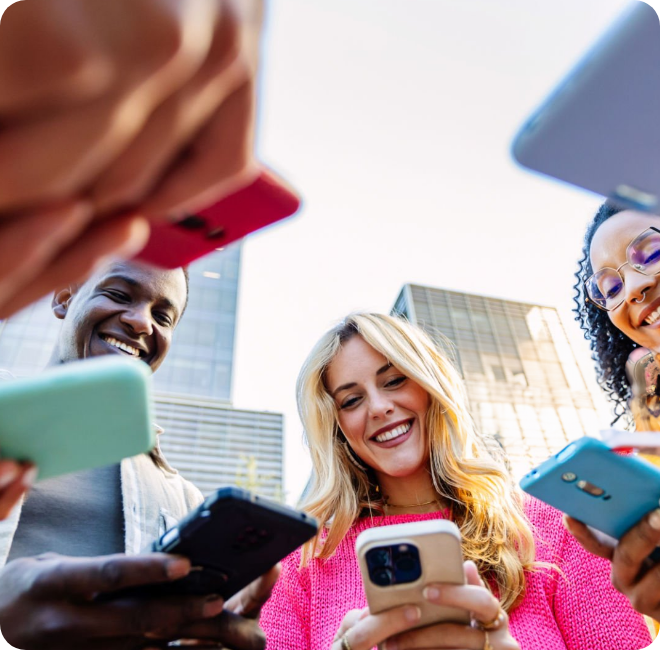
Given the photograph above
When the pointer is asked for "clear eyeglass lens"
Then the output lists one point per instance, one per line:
(644, 253)
(605, 288)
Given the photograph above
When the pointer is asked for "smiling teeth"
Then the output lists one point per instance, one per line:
(129, 349)
(651, 318)
(394, 433)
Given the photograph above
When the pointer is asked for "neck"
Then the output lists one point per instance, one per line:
(413, 494)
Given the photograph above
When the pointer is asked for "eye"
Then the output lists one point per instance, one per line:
(348, 403)
(395, 381)
(162, 319)
(117, 296)
(610, 287)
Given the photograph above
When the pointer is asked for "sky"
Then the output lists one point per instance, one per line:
(394, 120)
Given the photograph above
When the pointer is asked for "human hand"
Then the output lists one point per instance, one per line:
(362, 630)
(15, 479)
(395, 629)
(45, 249)
(124, 109)
(125, 101)
(48, 602)
(473, 597)
(632, 573)
(237, 627)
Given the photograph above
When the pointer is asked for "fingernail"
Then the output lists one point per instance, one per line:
(431, 593)
(137, 238)
(30, 477)
(390, 645)
(178, 568)
(214, 606)
(9, 476)
(654, 520)
(413, 614)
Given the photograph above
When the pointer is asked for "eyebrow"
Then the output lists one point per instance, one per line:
(166, 302)
(352, 384)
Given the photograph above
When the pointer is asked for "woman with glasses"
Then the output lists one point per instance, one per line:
(385, 415)
(618, 307)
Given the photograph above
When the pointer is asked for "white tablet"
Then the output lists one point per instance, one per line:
(600, 129)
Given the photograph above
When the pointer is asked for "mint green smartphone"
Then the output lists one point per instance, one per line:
(77, 416)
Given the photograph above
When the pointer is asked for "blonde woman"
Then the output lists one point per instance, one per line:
(391, 440)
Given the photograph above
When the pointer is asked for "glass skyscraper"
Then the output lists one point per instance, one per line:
(523, 382)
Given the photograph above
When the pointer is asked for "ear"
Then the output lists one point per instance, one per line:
(61, 300)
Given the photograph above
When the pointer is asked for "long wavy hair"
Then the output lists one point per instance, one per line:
(465, 469)
(610, 348)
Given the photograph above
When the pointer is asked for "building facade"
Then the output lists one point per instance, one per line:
(523, 382)
(207, 440)
(213, 444)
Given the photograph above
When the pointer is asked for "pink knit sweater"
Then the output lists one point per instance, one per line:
(580, 611)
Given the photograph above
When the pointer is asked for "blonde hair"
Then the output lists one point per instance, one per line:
(466, 471)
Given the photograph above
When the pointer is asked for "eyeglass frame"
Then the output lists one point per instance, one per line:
(623, 281)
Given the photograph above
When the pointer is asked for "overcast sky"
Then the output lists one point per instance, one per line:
(394, 119)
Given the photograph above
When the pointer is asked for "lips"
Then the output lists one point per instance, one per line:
(649, 313)
(392, 431)
(132, 349)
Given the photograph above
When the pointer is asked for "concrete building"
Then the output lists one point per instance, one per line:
(207, 440)
(523, 382)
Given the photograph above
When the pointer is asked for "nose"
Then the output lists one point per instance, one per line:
(637, 284)
(138, 318)
(380, 405)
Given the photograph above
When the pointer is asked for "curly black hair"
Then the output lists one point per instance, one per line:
(609, 346)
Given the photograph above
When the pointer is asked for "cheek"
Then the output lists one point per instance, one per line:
(352, 425)
(619, 319)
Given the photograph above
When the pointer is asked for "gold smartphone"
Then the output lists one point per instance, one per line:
(398, 561)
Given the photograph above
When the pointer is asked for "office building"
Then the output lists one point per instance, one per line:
(207, 440)
(523, 382)
(213, 444)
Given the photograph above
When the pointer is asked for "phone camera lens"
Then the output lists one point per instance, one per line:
(192, 222)
(382, 576)
(406, 562)
(378, 557)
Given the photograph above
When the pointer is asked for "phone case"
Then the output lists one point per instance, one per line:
(439, 545)
(625, 488)
(265, 201)
(77, 416)
(231, 539)
(599, 129)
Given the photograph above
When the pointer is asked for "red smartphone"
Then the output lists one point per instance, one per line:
(262, 203)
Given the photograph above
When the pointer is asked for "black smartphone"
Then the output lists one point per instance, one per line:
(231, 539)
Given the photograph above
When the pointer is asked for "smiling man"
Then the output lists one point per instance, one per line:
(130, 310)
(125, 309)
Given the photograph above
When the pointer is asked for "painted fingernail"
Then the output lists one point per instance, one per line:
(178, 568)
(413, 614)
(30, 477)
(654, 520)
(431, 593)
(9, 476)
(214, 606)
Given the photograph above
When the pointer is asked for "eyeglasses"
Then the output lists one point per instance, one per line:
(605, 288)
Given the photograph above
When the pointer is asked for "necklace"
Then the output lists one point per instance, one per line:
(410, 505)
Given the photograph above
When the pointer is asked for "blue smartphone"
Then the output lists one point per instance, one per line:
(601, 488)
